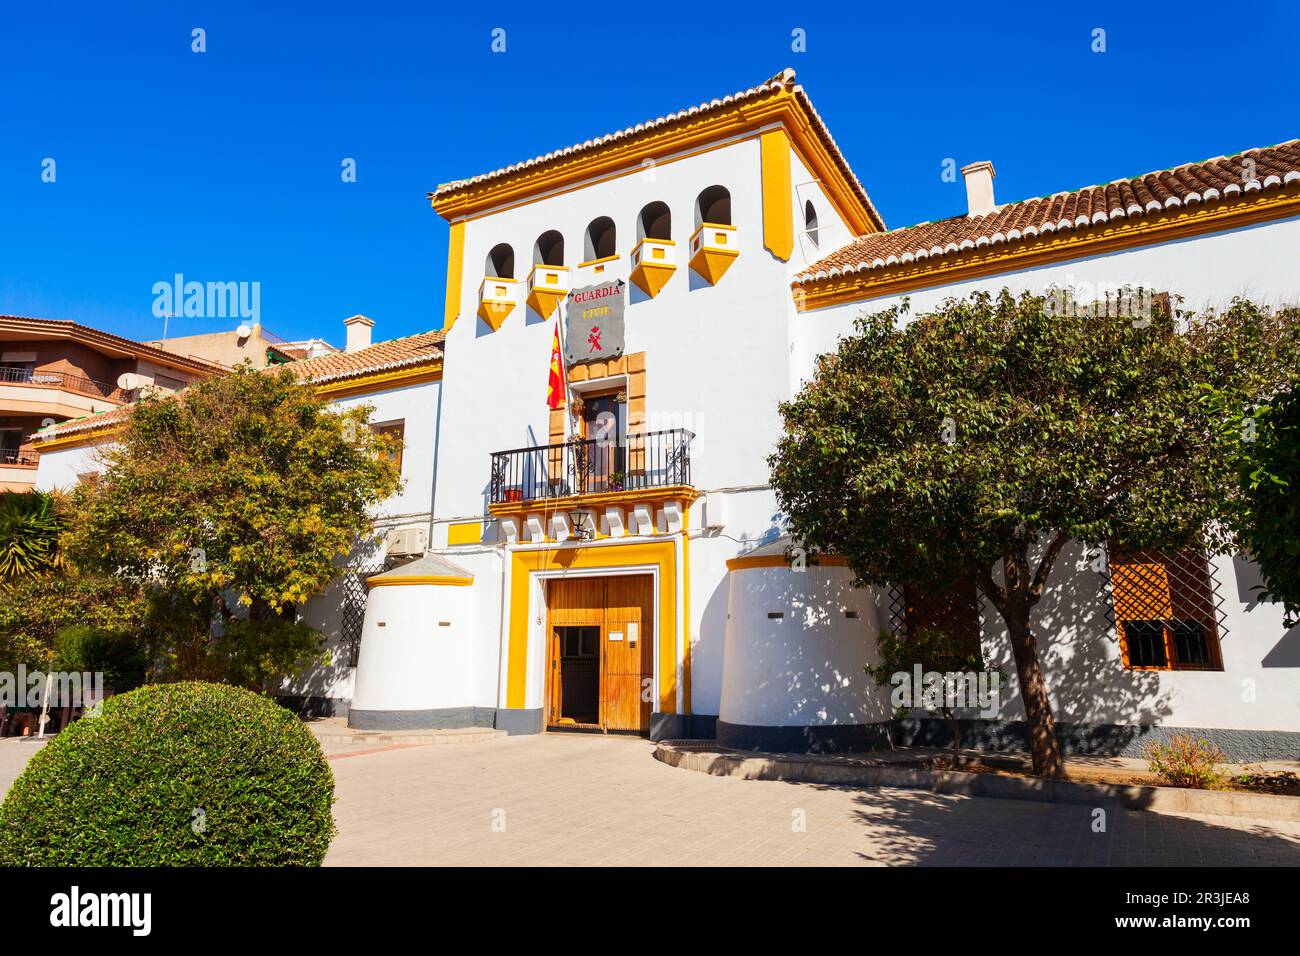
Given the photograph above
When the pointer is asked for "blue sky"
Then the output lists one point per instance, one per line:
(225, 165)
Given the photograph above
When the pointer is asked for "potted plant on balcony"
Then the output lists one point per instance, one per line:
(616, 479)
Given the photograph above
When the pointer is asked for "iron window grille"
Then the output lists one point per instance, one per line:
(353, 611)
(1166, 608)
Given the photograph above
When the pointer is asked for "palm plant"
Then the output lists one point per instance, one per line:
(30, 525)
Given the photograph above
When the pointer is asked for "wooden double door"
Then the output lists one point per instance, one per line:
(601, 656)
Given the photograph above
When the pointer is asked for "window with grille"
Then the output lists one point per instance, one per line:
(954, 610)
(1167, 610)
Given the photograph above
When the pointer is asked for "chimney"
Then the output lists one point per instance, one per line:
(979, 189)
(358, 329)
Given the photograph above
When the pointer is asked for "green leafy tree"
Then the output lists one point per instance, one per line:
(1266, 444)
(232, 499)
(979, 440)
(34, 609)
(30, 525)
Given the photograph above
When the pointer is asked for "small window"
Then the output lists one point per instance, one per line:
(501, 262)
(600, 242)
(713, 206)
(169, 384)
(655, 222)
(1165, 610)
(398, 431)
(810, 222)
(549, 249)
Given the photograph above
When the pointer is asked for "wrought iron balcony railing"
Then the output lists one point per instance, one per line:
(14, 375)
(592, 466)
(12, 456)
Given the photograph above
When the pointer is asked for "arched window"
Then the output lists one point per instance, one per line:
(655, 222)
(713, 205)
(549, 249)
(600, 239)
(501, 261)
(810, 222)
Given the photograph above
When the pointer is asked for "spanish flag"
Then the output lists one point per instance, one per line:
(555, 385)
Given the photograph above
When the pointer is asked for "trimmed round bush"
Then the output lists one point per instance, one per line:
(187, 774)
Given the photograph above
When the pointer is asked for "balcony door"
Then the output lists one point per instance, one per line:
(604, 426)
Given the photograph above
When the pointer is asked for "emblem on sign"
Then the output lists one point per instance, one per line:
(594, 323)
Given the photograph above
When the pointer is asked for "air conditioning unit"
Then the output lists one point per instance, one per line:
(406, 542)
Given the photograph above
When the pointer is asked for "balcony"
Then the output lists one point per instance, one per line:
(17, 469)
(497, 298)
(653, 264)
(547, 285)
(24, 391)
(545, 473)
(714, 248)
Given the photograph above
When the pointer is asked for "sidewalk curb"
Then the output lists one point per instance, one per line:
(794, 768)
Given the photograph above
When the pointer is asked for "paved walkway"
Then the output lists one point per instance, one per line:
(561, 799)
(567, 799)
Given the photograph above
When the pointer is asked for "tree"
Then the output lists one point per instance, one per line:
(34, 609)
(1266, 444)
(978, 440)
(29, 533)
(232, 500)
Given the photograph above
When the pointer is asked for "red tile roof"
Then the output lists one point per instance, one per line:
(781, 81)
(414, 350)
(1224, 177)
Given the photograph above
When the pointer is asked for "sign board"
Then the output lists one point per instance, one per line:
(594, 328)
(616, 635)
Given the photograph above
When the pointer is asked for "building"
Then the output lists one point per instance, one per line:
(53, 371)
(401, 381)
(246, 343)
(618, 563)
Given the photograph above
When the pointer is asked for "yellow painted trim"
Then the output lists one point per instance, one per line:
(579, 559)
(92, 437)
(455, 273)
(662, 242)
(464, 532)
(1108, 237)
(381, 381)
(596, 262)
(377, 382)
(548, 506)
(778, 201)
(622, 157)
(453, 580)
(712, 225)
(744, 563)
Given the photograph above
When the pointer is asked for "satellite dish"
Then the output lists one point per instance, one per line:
(243, 331)
(128, 381)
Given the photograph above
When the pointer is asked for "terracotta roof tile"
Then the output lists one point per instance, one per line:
(1220, 178)
(781, 81)
(380, 357)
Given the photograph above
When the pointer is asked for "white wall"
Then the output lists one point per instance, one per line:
(806, 668)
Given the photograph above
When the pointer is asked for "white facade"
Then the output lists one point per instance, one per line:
(765, 650)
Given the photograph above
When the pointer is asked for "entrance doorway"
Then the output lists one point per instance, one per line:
(601, 654)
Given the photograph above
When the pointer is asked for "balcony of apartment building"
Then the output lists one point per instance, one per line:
(32, 397)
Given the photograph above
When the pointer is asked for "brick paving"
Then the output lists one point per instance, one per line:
(562, 799)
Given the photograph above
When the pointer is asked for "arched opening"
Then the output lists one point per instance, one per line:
(501, 261)
(549, 249)
(713, 205)
(810, 222)
(600, 243)
(655, 222)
